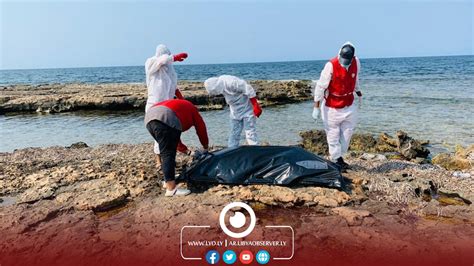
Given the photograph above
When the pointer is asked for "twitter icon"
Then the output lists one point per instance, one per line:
(229, 257)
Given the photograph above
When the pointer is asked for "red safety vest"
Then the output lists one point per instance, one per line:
(340, 92)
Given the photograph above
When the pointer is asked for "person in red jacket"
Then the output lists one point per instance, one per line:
(335, 88)
(166, 121)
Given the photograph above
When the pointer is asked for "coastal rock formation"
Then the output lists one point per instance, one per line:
(462, 159)
(407, 147)
(108, 199)
(57, 98)
(284, 196)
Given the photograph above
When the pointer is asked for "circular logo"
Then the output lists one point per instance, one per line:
(238, 220)
(262, 257)
(246, 257)
(229, 257)
(212, 257)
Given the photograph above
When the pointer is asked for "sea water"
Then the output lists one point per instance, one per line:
(428, 97)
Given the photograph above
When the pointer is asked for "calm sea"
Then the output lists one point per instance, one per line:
(429, 97)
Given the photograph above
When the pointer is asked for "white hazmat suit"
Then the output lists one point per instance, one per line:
(339, 123)
(237, 94)
(161, 79)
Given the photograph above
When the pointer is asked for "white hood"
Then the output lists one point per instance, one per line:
(161, 50)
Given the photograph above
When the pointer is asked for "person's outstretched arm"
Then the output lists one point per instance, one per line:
(201, 129)
(153, 64)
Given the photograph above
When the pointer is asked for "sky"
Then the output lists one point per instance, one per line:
(56, 34)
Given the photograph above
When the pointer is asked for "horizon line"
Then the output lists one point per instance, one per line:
(237, 63)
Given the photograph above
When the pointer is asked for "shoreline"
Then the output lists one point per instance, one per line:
(58, 98)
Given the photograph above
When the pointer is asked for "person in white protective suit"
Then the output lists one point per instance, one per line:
(334, 99)
(161, 81)
(243, 104)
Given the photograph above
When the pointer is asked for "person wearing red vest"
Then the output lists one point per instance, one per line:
(334, 99)
(166, 121)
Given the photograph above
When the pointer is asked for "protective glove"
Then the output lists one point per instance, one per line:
(178, 94)
(360, 98)
(199, 154)
(315, 113)
(257, 110)
(183, 148)
(180, 57)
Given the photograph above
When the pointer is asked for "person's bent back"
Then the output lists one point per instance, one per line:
(166, 121)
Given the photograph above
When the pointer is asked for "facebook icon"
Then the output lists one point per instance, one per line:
(212, 257)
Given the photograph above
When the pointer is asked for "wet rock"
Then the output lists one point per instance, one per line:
(57, 98)
(462, 159)
(352, 216)
(407, 147)
(466, 153)
(363, 142)
(314, 141)
(78, 145)
(451, 162)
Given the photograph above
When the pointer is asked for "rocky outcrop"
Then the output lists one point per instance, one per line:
(462, 159)
(407, 147)
(103, 205)
(79, 177)
(57, 98)
(284, 196)
(97, 204)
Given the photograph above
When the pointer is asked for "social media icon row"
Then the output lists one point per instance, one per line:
(245, 257)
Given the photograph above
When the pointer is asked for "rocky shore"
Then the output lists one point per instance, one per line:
(56, 98)
(105, 203)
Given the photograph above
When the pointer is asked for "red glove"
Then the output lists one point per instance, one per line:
(178, 94)
(180, 57)
(182, 148)
(257, 110)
